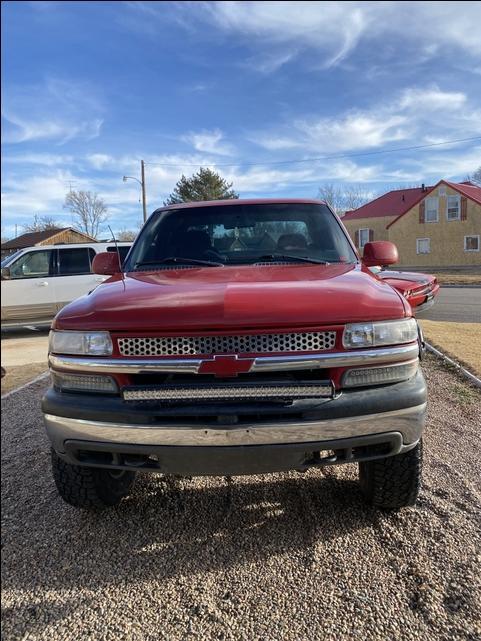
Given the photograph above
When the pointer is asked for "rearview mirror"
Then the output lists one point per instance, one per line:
(380, 252)
(106, 264)
(6, 273)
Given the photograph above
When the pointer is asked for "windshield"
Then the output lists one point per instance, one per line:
(8, 259)
(241, 234)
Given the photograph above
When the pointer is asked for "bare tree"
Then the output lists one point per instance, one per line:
(344, 197)
(89, 212)
(332, 194)
(41, 223)
(355, 196)
(476, 177)
(126, 235)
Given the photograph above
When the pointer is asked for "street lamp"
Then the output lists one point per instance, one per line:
(142, 185)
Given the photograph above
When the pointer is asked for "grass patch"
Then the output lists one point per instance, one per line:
(465, 394)
(461, 341)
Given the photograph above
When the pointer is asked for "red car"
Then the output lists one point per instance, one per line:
(238, 337)
(419, 289)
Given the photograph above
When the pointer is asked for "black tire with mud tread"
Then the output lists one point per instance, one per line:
(392, 482)
(89, 487)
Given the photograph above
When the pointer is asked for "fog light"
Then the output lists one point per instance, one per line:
(78, 383)
(378, 375)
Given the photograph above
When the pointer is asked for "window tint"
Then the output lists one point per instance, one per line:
(34, 264)
(75, 261)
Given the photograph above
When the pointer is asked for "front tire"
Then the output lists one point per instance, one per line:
(90, 487)
(392, 482)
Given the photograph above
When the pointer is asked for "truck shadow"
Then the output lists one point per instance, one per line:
(170, 528)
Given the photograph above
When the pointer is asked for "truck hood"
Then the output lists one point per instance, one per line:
(205, 298)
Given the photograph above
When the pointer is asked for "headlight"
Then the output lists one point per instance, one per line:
(83, 343)
(377, 334)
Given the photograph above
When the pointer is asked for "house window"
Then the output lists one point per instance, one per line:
(442, 191)
(363, 237)
(432, 206)
(453, 211)
(471, 243)
(423, 245)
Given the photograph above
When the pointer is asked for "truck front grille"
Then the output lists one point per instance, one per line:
(237, 344)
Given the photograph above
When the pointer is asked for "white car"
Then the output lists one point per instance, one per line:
(38, 281)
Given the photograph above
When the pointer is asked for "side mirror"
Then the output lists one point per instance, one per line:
(6, 275)
(106, 264)
(380, 252)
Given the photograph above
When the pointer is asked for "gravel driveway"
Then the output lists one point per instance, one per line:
(284, 556)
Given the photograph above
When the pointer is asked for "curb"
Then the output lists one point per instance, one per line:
(464, 372)
(19, 389)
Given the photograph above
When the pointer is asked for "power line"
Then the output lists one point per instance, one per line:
(326, 157)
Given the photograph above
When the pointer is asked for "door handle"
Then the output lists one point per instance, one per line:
(43, 284)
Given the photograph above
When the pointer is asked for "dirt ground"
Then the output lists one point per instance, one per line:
(458, 279)
(21, 374)
(277, 557)
(24, 356)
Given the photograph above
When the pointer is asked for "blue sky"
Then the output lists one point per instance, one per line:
(90, 88)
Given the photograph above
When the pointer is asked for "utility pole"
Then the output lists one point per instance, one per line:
(142, 186)
(142, 180)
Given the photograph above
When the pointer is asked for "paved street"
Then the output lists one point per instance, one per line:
(282, 556)
(459, 304)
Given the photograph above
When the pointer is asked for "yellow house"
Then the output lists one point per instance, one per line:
(436, 226)
(370, 221)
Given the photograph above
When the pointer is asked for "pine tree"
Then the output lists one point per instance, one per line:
(205, 185)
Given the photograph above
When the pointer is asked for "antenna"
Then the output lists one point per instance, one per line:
(117, 250)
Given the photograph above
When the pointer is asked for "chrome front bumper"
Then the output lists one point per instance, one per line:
(408, 422)
(354, 358)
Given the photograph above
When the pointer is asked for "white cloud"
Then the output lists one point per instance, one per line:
(329, 32)
(431, 98)
(23, 130)
(417, 115)
(269, 62)
(326, 27)
(45, 159)
(209, 142)
(56, 110)
(99, 161)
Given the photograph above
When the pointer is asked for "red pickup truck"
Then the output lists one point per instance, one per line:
(238, 337)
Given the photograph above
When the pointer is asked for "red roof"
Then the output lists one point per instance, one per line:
(394, 203)
(467, 189)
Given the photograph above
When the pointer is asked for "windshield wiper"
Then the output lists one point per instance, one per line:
(302, 259)
(179, 260)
